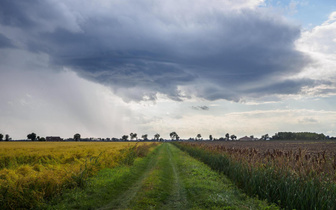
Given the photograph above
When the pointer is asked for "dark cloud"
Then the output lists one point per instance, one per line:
(141, 52)
(284, 87)
(5, 42)
(204, 108)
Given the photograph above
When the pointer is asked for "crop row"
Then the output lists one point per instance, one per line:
(292, 179)
(32, 173)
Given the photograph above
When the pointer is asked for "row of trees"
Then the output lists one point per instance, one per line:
(174, 136)
(7, 138)
(144, 137)
(34, 137)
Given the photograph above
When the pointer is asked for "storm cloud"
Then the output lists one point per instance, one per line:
(204, 48)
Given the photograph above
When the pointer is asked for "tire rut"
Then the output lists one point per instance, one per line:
(127, 196)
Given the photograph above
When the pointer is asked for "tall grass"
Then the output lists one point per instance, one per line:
(34, 172)
(292, 186)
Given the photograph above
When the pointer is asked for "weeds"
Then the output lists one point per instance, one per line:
(285, 178)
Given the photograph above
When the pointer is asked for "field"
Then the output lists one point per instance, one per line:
(178, 175)
(33, 172)
(166, 179)
(293, 174)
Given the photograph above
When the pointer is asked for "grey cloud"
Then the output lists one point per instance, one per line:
(308, 120)
(139, 53)
(204, 108)
(5, 42)
(284, 87)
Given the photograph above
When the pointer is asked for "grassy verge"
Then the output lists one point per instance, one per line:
(274, 184)
(207, 189)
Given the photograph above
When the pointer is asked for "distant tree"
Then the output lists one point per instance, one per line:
(133, 136)
(173, 135)
(157, 136)
(7, 137)
(210, 137)
(32, 136)
(265, 137)
(227, 136)
(221, 139)
(199, 136)
(77, 137)
(144, 137)
(233, 137)
(124, 137)
(252, 137)
(1, 136)
(42, 139)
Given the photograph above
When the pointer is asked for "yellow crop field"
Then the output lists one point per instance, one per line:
(32, 172)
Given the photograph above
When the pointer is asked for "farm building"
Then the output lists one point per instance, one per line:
(53, 138)
(246, 138)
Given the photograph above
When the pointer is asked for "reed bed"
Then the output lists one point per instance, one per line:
(294, 177)
(33, 172)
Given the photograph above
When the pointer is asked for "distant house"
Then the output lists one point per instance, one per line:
(53, 138)
(246, 138)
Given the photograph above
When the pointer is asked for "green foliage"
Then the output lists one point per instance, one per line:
(1, 136)
(77, 137)
(277, 185)
(124, 137)
(157, 136)
(298, 136)
(32, 136)
(42, 139)
(173, 135)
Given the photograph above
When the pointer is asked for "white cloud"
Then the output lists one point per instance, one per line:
(321, 45)
(248, 123)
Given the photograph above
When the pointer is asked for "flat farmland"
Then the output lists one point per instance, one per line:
(106, 175)
(302, 157)
(32, 172)
(177, 175)
(311, 147)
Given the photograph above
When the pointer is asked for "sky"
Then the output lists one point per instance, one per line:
(107, 68)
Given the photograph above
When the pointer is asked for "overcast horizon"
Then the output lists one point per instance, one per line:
(107, 68)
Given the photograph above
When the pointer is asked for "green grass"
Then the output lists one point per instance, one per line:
(105, 188)
(166, 179)
(207, 189)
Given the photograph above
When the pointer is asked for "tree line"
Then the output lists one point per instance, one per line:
(7, 138)
(298, 136)
(174, 136)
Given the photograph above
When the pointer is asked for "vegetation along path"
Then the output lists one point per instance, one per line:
(166, 179)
